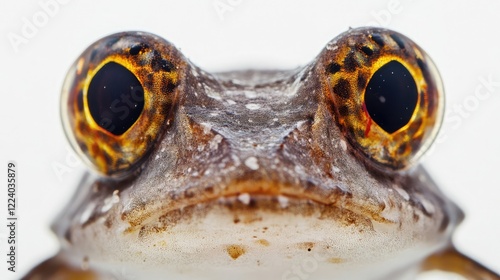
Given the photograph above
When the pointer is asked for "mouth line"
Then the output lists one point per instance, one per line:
(246, 209)
(335, 204)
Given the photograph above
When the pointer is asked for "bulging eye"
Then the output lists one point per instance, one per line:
(119, 97)
(386, 94)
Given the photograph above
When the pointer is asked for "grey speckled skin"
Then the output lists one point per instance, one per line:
(253, 179)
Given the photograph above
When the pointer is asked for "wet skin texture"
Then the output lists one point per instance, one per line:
(311, 172)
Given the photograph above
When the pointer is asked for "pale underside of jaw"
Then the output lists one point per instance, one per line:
(255, 235)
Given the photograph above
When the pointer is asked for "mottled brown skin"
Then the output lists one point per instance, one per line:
(246, 147)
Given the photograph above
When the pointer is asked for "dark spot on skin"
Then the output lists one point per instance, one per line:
(158, 63)
(80, 126)
(361, 81)
(333, 68)
(355, 132)
(135, 50)
(82, 145)
(422, 101)
(416, 143)
(360, 133)
(402, 148)
(168, 87)
(107, 158)
(342, 88)
(93, 54)
(377, 38)
(398, 41)
(149, 139)
(188, 194)
(166, 65)
(306, 245)
(350, 63)
(366, 50)
(108, 222)
(309, 186)
(422, 65)
(236, 220)
(416, 218)
(148, 81)
(351, 131)
(432, 97)
(414, 126)
(209, 189)
(165, 109)
(252, 204)
(79, 101)
(122, 162)
(94, 148)
(344, 110)
(115, 146)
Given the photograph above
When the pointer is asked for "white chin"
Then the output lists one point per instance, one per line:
(235, 238)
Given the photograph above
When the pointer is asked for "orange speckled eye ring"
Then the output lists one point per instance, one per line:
(350, 62)
(156, 65)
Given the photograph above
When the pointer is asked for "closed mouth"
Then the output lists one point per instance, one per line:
(245, 200)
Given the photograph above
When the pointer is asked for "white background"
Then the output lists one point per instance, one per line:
(462, 38)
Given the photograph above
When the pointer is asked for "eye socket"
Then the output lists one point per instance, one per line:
(118, 98)
(386, 95)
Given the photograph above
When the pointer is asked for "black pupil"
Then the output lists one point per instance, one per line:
(115, 98)
(391, 96)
